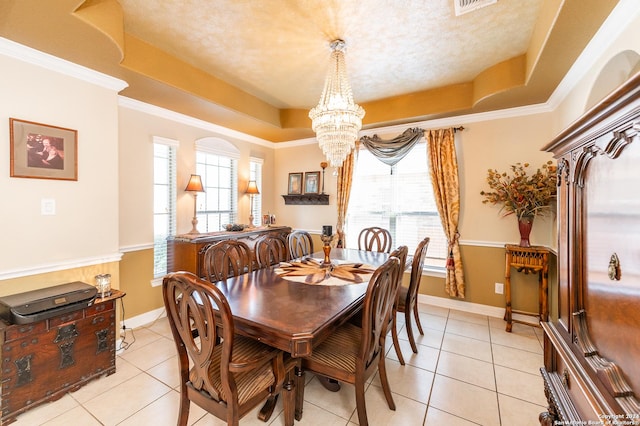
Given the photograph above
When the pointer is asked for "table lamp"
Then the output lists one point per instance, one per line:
(252, 190)
(194, 186)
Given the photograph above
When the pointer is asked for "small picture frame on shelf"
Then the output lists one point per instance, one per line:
(295, 183)
(42, 151)
(312, 183)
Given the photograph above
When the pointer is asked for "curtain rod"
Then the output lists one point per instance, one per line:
(458, 129)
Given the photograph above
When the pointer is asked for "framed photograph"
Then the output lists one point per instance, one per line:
(42, 151)
(295, 183)
(312, 183)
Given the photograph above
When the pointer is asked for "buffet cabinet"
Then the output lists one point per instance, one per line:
(43, 360)
(592, 343)
(186, 252)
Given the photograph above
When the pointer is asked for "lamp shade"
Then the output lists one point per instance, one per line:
(195, 184)
(252, 188)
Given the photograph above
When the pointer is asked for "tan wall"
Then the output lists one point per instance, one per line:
(137, 269)
(97, 216)
(305, 158)
(81, 239)
(485, 266)
(137, 128)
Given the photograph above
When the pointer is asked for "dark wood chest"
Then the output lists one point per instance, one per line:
(43, 360)
(592, 342)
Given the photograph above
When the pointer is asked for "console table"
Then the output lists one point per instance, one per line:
(185, 252)
(528, 260)
(44, 360)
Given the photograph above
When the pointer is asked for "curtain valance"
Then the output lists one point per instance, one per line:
(393, 150)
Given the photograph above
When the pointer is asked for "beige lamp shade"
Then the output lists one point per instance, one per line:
(195, 184)
(252, 188)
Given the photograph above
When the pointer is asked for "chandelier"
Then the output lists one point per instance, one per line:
(336, 119)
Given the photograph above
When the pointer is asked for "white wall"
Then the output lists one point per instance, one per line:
(85, 226)
(139, 123)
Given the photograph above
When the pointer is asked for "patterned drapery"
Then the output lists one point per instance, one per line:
(345, 178)
(443, 169)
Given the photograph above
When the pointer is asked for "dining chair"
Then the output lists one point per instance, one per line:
(375, 239)
(230, 374)
(271, 250)
(407, 301)
(227, 258)
(401, 254)
(352, 354)
(300, 244)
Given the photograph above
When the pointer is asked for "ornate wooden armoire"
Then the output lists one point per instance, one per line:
(592, 343)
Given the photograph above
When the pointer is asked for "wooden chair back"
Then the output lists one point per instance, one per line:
(271, 250)
(407, 301)
(376, 311)
(354, 353)
(300, 244)
(375, 239)
(227, 384)
(416, 272)
(225, 259)
(401, 254)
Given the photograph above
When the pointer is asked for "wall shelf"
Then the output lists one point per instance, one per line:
(310, 199)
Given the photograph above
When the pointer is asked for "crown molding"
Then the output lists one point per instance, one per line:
(625, 12)
(177, 117)
(52, 63)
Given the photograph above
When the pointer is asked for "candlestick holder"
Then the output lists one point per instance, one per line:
(326, 248)
(324, 165)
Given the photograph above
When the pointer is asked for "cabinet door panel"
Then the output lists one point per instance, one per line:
(610, 234)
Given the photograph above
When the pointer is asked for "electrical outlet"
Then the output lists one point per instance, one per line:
(499, 288)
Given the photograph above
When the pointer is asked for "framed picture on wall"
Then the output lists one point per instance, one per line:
(295, 183)
(42, 151)
(311, 182)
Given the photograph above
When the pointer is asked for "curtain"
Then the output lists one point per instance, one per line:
(443, 169)
(345, 179)
(393, 150)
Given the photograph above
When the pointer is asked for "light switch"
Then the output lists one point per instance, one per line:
(48, 206)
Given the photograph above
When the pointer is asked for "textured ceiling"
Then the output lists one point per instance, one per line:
(258, 66)
(278, 50)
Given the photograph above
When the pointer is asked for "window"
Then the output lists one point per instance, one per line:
(164, 200)
(255, 173)
(398, 198)
(217, 165)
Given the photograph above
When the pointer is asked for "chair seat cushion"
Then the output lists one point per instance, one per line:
(339, 351)
(250, 383)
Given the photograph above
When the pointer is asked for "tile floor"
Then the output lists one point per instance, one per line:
(468, 371)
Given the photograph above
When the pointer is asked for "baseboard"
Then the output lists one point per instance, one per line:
(460, 305)
(475, 308)
(143, 319)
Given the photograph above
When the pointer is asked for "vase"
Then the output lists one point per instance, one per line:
(525, 223)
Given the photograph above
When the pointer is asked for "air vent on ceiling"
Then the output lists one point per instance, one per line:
(465, 6)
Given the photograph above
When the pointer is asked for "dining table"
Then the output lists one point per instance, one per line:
(295, 305)
(288, 313)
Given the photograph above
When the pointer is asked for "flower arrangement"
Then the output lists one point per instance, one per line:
(522, 194)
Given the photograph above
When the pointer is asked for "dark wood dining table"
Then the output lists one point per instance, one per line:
(295, 316)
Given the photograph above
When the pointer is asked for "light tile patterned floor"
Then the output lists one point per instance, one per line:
(468, 371)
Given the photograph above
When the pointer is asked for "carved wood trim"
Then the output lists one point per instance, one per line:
(608, 372)
(563, 171)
